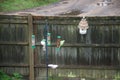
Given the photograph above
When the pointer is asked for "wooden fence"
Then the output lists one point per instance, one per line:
(95, 55)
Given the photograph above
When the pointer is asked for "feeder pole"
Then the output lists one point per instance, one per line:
(46, 46)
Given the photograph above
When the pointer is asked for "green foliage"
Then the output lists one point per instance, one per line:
(13, 5)
(16, 76)
(4, 76)
(117, 76)
(54, 78)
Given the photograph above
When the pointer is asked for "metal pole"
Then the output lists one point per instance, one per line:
(46, 45)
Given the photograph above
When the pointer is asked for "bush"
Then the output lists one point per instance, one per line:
(15, 76)
(4, 76)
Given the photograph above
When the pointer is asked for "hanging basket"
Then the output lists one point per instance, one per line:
(83, 26)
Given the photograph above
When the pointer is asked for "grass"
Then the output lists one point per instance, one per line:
(15, 5)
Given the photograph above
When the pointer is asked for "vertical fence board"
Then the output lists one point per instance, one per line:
(31, 55)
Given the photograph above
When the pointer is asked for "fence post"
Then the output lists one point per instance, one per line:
(31, 55)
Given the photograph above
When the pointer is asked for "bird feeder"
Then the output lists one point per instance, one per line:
(83, 26)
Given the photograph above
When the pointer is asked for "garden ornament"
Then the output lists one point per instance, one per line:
(53, 66)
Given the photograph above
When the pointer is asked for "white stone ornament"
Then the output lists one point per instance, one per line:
(53, 66)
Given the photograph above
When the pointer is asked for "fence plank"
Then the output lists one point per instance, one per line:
(14, 43)
(31, 56)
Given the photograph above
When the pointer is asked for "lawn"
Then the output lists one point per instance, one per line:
(14, 5)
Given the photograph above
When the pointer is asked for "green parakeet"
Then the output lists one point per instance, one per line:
(61, 44)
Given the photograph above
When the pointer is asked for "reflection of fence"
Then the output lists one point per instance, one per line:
(93, 55)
